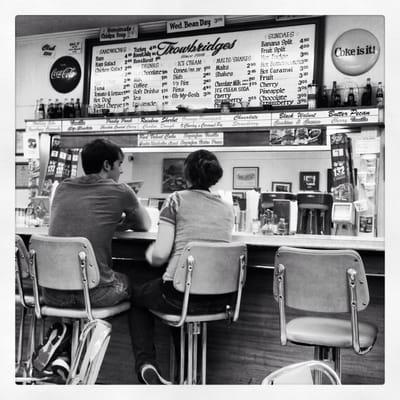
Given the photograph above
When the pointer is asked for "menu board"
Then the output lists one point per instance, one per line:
(252, 68)
(180, 139)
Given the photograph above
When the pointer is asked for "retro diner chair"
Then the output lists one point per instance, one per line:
(204, 268)
(25, 301)
(322, 283)
(303, 373)
(69, 263)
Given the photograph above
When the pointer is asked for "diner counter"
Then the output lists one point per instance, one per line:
(131, 246)
(253, 340)
(309, 241)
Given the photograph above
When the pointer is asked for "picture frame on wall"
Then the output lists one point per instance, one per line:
(281, 186)
(245, 178)
(172, 175)
(309, 180)
(21, 175)
(19, 142)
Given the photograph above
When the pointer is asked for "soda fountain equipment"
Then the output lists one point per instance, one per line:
(276, 206)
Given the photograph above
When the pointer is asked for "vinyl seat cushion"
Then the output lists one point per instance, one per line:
(100, 312)
(330, 332)
(190, 317)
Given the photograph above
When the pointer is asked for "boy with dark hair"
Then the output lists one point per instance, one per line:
(92, 206)
(96, 152)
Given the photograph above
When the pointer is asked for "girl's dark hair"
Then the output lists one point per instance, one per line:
(96, 152)
(202, 169)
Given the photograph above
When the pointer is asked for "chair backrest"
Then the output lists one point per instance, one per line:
(21, 258)
(302, 374)
(58, 262)
(216, 267)
(316, 280)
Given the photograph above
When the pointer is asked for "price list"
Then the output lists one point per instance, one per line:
(110, 74)
(286, 66)
(236, 80)
(245, 68)
(145, 79)
(189, 81)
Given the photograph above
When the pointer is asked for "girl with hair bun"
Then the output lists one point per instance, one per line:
(193, 214)
(202, 169)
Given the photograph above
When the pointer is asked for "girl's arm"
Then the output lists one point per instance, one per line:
(159, 251)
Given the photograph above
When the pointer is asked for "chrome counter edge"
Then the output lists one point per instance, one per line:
(314, 241)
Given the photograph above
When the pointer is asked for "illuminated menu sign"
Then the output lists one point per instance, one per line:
(181, 139)
(209, 122)
(334, 116)
(260, 66)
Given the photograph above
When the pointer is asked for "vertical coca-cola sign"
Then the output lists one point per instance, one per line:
(65, 74)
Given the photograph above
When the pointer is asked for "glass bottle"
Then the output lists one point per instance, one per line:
(351, 101)
(50, 109)
(274, 223)
(267, 228)
(324, 100)
(255, 226)
(42, 112)
(366, 98)
(379, 95)
(72, 108)
(312, 95)
(335, 96)
(65, 113)
(236, 213)
(281, 227)
(58, 109)
(36, 111)
(78, 113)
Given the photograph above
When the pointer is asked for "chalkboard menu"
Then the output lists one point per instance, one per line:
(271, 65)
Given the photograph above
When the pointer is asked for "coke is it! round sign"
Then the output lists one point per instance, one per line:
(355, 52)
(65, 74)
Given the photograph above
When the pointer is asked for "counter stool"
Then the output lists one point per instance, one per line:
(302, 373)
(69, 263)
(323, 281)
(93, 344)
(204, 268)
(24, 299)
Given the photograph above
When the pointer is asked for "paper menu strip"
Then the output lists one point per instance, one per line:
(368, 146)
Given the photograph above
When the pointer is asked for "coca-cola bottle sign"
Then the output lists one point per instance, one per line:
(65, 74)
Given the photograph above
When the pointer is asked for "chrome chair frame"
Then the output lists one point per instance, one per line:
(318, 367)
(93, 343)
(197, 324)
(23, 368)
(82, 333)
(322, 353)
